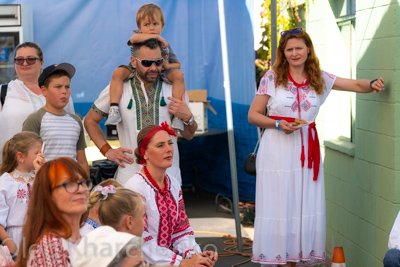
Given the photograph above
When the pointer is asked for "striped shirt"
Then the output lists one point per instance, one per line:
(63, 134)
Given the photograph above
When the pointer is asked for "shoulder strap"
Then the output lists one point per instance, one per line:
(4, 88)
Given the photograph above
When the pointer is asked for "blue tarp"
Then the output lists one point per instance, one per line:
(92, 36)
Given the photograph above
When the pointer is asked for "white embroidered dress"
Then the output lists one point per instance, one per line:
(168, 237)
(290, 205)
(14, 199)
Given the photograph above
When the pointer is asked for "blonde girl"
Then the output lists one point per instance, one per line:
(92, 221)
(21, 154)
(122, 209)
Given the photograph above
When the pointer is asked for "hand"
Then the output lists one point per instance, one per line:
(10, 244)
(286, 127)
(165, 65)
(210, 254)
(164, 43)
(118, 156)
(179, 108)
(38, 161)
(378, 85)
(196, 260)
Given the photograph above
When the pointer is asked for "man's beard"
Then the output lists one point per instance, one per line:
(144, 76)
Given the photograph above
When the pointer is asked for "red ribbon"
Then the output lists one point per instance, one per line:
(314, 153)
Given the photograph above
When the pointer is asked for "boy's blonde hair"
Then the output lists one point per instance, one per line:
(149, 10)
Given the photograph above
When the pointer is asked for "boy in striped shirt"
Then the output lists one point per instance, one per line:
(62, 132)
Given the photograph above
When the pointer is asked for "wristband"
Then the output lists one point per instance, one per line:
(105, 148)
(371, 82)
(277, 125)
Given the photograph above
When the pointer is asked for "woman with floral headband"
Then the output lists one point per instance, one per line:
(289, 225)
(168, 237)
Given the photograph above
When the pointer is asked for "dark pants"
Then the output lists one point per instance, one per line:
(392, 258)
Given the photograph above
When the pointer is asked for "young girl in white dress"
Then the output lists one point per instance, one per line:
(21, 156)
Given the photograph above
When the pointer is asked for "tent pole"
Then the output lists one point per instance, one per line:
(273, 31)
(229, 120)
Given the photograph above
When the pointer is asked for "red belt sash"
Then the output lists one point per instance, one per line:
(314, 154)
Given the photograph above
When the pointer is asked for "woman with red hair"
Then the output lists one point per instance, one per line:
(168, 237)
(58, 200)
(289, 226)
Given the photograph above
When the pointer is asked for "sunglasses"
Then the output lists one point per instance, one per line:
(294, 31)
(73, 187)
(147, 63)
(29, 60)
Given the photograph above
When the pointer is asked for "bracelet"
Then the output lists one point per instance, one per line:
(371, 82)
(277, 125)
(105, 148)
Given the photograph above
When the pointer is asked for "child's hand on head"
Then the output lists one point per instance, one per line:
(166, 63)
(164, 43)
(39, 161)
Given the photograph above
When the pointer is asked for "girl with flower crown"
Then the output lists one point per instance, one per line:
(168, 237)
(21, 154)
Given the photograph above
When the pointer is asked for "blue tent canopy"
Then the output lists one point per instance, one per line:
(92, 36)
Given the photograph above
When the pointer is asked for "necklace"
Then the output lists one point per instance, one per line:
(154, 183)
(23, 175)
(295, 83)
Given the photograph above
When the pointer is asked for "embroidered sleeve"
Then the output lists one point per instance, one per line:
(183, 239)
(157, 255)
(49, 252)
(329, 81)
(267, 84)
(4, 208)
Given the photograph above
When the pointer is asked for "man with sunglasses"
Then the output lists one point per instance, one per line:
(146, 99)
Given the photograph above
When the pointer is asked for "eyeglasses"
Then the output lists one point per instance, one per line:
(29, 60)
(147, 62)
(292, 31)
(73, 187)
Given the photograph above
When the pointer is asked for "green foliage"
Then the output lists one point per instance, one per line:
(289, 15)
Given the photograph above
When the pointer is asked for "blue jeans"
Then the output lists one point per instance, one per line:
(392, 258)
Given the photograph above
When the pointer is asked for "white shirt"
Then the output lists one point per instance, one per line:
(128, 130)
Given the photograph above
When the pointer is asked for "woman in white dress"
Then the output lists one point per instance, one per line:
(24, 95)
(290, 198)
(57, 203)
(168, 237)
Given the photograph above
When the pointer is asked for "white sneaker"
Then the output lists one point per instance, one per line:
(113, 116)
(177, 124)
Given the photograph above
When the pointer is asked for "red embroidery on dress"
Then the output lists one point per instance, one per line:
(168, 212)
(21, 193)
(187, 251)
(148, 238)
(329, 75)
(173, 259)
(182, 235)
(50, 252)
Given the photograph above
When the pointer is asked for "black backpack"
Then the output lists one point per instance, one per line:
(3, 94)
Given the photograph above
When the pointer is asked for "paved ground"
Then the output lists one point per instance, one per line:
(212, 228)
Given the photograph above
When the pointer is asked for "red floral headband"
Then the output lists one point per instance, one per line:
(164, 127)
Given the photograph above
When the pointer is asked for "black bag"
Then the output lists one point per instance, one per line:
(250, 164)
(102, 170)
(250, 160)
